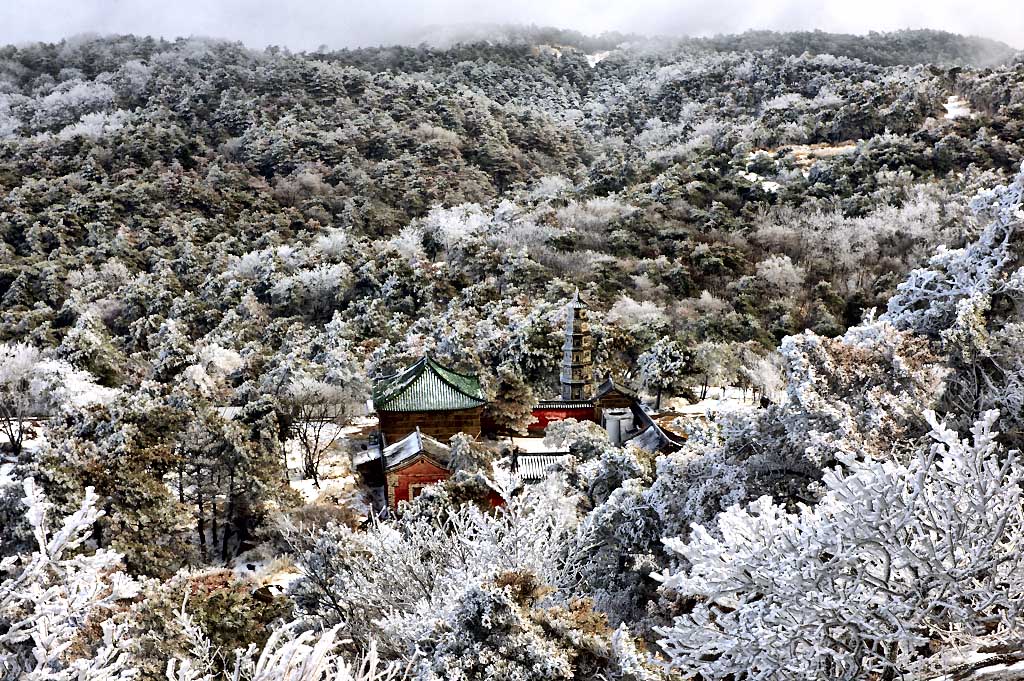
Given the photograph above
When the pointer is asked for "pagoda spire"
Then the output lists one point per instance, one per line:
(577, 371)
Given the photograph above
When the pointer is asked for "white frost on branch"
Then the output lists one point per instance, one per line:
(287, 656)
(933, 298)
(891, 558)
(52, 595)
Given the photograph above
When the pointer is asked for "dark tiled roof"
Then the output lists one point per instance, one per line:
(576, 302)
(650, 440)
(564, 404)
(408, 448)
(427, 386)
(534, 467)
(653, 437)
(610, 385)
(411, 446)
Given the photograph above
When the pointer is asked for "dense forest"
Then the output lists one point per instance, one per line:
(199, 241)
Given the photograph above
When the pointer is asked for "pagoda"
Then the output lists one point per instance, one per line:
(612, 404)
(577, 375)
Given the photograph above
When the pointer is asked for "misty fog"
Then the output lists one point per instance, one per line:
(308, 24)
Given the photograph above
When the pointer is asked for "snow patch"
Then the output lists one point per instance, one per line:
(766, 185)
(957, 107)
(804, 156)
(718, 399)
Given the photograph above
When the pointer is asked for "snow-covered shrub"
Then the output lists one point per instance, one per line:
(289, 655)
(862, 392)
(967, 300)
(62, 619)
(937, 299)
(50, 597)
(893, 557)
(33, 386)
(495, 631)
(692, 487)
(780, 272)
(69, 102)
(226, 607)
(390, 582)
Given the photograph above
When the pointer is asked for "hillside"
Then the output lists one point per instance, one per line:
(907, 47)
(672, 184)
(209, 252)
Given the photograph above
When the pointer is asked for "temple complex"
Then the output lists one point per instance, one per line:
(421, 407)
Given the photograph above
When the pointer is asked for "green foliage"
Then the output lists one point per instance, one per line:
(232, 613)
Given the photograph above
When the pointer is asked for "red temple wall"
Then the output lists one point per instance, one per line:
(420, 472)
(423, 471)
(542, 416)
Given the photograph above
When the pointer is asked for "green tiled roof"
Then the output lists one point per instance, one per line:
(427, 386)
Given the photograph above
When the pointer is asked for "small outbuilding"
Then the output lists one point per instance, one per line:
(406, 467)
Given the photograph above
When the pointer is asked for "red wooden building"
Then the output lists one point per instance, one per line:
(429, 396)
(404, 468)
(419, 409)
(556, 410)
(610, 395)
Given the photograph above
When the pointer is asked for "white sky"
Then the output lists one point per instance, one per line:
(307, 24)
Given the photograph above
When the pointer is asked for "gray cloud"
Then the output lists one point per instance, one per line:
(307, 24)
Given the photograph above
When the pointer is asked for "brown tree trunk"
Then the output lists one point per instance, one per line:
(201, 523)
(213, 522)
(229, 516)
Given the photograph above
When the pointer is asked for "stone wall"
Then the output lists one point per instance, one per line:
(440, 425)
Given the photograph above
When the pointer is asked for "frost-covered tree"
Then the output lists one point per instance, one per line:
(965, 300)
(22, 392)
(32, 386)
(318, 411)
(51, 597)
(391, 582)
(894, 556)
(663, 367)
(717, 363)
(495, 631)
(941, 297)
(454, 227)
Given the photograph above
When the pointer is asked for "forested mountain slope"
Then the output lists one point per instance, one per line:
(199, 240)
(407, 193)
